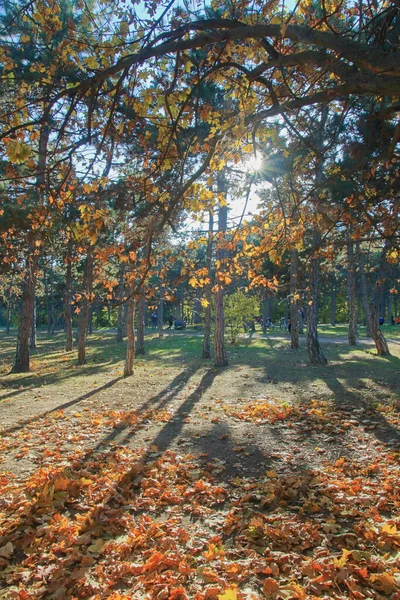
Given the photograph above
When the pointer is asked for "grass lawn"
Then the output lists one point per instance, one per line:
(270, 478)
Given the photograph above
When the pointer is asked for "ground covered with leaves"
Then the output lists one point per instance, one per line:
(268, 479)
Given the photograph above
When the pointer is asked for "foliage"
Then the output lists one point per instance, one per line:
(240, 312)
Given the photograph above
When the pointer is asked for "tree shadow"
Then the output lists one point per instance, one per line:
(86, 396)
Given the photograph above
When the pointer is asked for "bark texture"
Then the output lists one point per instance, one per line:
(140, 346)
(67, 300)
(120, 320)
(130, 342)
(220, 356)
(351, 294)
(85, 305)
(207, 292)
(294, 301)
(364, 289)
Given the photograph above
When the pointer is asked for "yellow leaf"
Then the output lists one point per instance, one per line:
(340, 562)
(271, 474)
(228, 595)
(92, 63)
(97, 547)
(389, 529)
(83, 481)
(384, 582)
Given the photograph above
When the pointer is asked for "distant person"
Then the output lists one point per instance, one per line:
(289, 326)
(392, 321)
(154, 319)
(170, 321)
(381, 320)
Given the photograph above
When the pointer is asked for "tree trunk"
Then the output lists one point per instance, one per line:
(333, 299)
(264, 310)
(140, 348)
(130, 342)
(207, 292)
(47, 300)
(90, 320)
(27, 301)
(351, 294)
(364, 290)
(67, 299)
(160, 314)
(28, 287)
(52, 312)
(197, 308)
(294, 301)
(376, 303)
(220, 357)
(120, 320)
(84, 313)
(125, 321)
(32, 338)
(313, 346)
(8, 323)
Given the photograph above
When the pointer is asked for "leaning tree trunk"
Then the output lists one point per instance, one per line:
(364, 290)
(351, 294)
(84, 312)
(67, 300)
(294, 301)
(120, 320)
(220, 357)
(32, 337)
(130, 342)
(140, 348)
(207, 292)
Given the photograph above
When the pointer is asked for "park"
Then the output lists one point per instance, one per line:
(199, 300)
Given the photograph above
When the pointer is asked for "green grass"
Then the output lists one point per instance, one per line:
(347, 366)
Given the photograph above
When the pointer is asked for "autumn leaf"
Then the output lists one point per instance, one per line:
(270, 588)
(228, 595)
(340, 562)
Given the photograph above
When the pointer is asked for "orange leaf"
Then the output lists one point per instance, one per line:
(270, 588)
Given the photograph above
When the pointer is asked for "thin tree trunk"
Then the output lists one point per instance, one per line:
(84, 313)
(333, 299)
(32, 338)
(351, 293)
(160, 314)
(120, 320)
(264, 312)
(90, 320)
(67, 299)
(125, 321)
(47, 300)
(8, 311)
(197, 308)
(53, 318)
(130, 342)
(364, 289)
(140, 347)
(220, 357)
(381, 345)
(207, 292)
(294, 301)
(313, 346)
